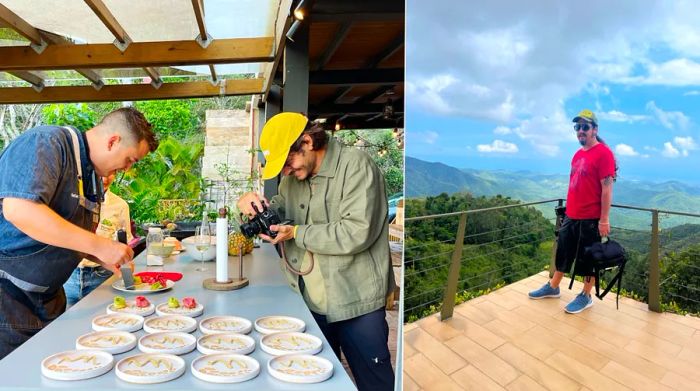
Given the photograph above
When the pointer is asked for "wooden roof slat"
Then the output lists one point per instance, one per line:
(375, 94)
(30, 77)
(212, 70)
(128, 92)
(199, 15)
(390, 49)
(105, 15)
(335, 43)
(20, 25)
(140, 54)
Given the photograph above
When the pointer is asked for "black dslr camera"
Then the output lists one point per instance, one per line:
(261, 222)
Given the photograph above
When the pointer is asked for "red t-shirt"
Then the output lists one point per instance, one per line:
(588, 168)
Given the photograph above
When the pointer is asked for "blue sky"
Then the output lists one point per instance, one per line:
(494, 85)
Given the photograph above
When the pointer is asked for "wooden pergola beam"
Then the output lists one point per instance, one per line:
(212, 70)
(140, 54)
(129, 92)
(153, 74)
(357, 77)
(105, 15)
(18, 24)
(284, 21)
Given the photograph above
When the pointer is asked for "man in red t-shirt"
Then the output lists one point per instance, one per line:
(588, 202)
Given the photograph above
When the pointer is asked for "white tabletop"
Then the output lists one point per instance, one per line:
(267, 294)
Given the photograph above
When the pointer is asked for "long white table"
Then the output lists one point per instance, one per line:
(267, 294)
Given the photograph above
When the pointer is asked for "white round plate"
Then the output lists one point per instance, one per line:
(278, 324)
(131, 308)
(149, 368)
(141, 289)
(300, 368)
(225, 368)
(225, 324)
(122, 322)
(181, 323)
(232, 343)
(163, 309)
(278, 344)
(110, 341)
(168, 342)
(77, 364)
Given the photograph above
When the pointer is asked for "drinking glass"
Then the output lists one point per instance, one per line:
(202, 242)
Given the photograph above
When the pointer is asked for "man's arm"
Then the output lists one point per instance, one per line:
(362, 210)
(41, 223)
(605, 202)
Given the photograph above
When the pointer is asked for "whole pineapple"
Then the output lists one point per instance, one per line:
(236, 240)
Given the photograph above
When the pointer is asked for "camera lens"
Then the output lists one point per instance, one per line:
(249, 230)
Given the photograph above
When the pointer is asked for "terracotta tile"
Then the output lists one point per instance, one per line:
(484, 360)
(536, 369)
(439, 354)
(525, 383)
(582, 374)
(470, 378)
(630, 378)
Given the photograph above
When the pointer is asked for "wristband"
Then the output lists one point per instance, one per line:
(294, 233)
(603, 223)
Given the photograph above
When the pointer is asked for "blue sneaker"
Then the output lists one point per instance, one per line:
(580, 303)
(545, 291)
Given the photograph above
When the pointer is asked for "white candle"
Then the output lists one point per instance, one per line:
(221, 249)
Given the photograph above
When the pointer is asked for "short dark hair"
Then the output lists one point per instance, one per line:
(318, 136)
(135, 122)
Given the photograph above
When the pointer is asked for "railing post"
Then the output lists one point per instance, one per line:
(654, 289)
(552, 263)
(448, 301)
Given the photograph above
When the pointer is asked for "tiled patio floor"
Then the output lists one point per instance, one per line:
(504, 340)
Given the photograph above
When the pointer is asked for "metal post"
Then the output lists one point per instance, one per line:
(448, 301)
(654, 291)
(557, 225)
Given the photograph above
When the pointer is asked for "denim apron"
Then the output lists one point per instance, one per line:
(31, 285)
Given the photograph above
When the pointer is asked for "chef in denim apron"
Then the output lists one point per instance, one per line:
(49, 171)
(32, 273)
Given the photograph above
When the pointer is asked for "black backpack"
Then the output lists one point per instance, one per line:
(606, 256)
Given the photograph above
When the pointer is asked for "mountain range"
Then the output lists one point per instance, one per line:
(426, 178)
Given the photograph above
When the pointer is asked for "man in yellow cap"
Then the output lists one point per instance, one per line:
(337, 250)
(586, 220)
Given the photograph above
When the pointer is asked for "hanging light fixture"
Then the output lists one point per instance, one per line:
(300, 11)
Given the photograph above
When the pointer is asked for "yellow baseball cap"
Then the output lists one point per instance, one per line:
(278, 135)
(586, 115)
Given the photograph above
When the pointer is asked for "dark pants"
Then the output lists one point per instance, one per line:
(363, 340)
(574, 237)
(23, 314)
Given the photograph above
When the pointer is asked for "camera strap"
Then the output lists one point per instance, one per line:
(292, 269)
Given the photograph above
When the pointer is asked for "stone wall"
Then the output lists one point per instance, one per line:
(228, 139)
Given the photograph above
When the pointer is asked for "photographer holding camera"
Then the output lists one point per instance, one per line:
(337, 252)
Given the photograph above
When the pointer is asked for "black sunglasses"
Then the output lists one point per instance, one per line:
(584, 127)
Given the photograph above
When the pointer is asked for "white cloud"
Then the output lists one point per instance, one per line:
(497, 146)
(625, 150)
(517, 64)
(427, 137)
(692, 93)
(669, 119)
(618, 116)
(670, 150)
(502, 130)
(686, 143)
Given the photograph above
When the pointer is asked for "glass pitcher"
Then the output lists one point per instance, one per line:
(154, 247)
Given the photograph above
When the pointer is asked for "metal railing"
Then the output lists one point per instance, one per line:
(456, 254)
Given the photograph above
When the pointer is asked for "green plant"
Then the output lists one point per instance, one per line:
(79, 115)
(171, 118)
(171, 172)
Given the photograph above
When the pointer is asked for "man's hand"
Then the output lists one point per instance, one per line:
(604, 228)
(117, 270)
(244, 203)
(284, 232)
(113, 254)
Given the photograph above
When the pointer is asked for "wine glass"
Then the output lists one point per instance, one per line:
(202, 241)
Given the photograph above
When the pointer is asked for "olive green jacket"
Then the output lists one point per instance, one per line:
(349, 236)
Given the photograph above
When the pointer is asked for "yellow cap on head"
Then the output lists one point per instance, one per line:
(586, 115)
(278, 135)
